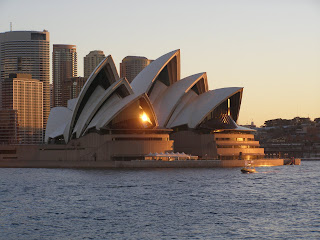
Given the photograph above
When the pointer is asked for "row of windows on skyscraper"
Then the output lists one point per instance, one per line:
(26, 94)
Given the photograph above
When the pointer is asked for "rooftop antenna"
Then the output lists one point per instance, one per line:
(10, 26)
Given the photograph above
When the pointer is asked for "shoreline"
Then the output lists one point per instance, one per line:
(141, 164)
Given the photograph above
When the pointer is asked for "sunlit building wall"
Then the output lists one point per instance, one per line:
(91, 61)
(27, 52)
(64, 66)
(131, 66)
(25, 95)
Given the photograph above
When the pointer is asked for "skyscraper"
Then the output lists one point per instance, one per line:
(51, 96)
(71, 87)
(131, 66)
(91, 61)
(27, 52)
(64, 65)
(9, 126)
(22, 93)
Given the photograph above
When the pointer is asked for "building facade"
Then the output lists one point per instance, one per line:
(64, 66)
(91, 61)
(71, 87)
(131, 66)
(51, 95)
(9, 126)
(27, 52)
(25, 95)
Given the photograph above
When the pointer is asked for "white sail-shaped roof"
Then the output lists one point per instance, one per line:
(166, 103)
(100, 79)
(145, 79)
(57, 121)
(115, 109)
(192, 114)
(96, 103)
(72, 103)
(107, 102)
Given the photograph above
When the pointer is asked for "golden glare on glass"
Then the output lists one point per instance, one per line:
(224, 119)
(144, 117)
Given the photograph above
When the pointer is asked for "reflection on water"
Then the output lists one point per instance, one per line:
(266, 170)
(276, 202)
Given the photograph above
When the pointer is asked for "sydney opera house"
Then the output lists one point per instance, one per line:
(158, 112)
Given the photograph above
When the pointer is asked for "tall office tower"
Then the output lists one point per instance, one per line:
(91, 61)
(51, 95)
(64, 65)
(131, 66)
(27, 52)
(25, 95)
(71, 87)
(9, 126)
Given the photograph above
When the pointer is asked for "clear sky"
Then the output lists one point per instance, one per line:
(269, 47)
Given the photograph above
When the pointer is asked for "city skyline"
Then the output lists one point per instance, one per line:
(271, 48)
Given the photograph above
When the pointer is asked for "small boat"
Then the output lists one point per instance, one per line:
(248, 168)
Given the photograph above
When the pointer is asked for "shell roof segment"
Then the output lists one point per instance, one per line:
(170, 98)
(144, 80)
(104, 75)
(57, 121)
(92, 108)
(107, 101)
(206, 104)
(192, 114)
(112, 111)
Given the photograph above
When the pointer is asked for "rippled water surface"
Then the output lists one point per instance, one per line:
(275, 203)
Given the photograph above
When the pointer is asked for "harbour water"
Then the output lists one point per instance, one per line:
(280, 202)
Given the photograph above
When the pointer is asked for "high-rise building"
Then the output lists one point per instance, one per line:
(51, 95)
(91, 61)
(25, 95)
(71, 87)
(131, 66)
(64, 65)
(27, 52)
(9, 126)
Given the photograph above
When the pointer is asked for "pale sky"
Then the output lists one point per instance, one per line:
(269, 47)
